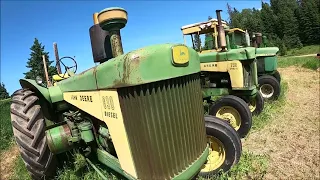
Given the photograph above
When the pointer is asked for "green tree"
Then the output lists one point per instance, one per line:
(268, 20)
(208, 42)
(3, 92)
(196, 42)
(35, 63)
(309, 21)
(249, 19)
(287, 23)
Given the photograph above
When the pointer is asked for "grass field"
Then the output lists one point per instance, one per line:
(313, 49)
(284, 140)
(306, 62)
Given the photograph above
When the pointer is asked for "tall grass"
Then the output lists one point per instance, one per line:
(6, 136)
(306, 62)
(313, 49)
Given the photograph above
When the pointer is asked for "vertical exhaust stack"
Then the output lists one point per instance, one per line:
(100, 42)
(221, 34)
(258, 39)
(112, 20)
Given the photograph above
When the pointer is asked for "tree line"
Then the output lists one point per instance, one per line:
(286, 23)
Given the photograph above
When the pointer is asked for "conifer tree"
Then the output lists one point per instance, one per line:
(3, 92)
(35, 63)
(309, 21)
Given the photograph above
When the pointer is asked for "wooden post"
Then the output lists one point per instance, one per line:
(55, 48)
(45, 70)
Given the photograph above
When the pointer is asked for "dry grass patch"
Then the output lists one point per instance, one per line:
(292, 139)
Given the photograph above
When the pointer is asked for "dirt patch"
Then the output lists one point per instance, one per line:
(292, 139)
(7, 162)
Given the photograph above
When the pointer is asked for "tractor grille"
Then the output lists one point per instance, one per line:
(248, 73)
(165, 125)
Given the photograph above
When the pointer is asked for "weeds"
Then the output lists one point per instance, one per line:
(270, 109)
(20, 171)
(250, 166)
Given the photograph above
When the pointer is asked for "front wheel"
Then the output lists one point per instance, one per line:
(225, 146)
(256, 105)
(29, 127)
(269, 87)
(235, 111)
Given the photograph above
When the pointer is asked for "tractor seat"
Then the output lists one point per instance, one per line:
(56, 77)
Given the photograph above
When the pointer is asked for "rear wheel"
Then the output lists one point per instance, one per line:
(277, 75)
(29, 127)
(256, 105)
(235, 111)
(269, 87)
(225, 146)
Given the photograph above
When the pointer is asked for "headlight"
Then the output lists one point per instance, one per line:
(39, 80)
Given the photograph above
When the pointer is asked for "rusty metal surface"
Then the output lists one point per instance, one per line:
(165, 126)
(116, 43)
(56, 54)
(221, 33)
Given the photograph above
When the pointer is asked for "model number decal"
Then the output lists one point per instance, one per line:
(108, 105)
(233, 66)
(210, 65)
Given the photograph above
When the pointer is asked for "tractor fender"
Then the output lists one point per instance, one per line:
(32, 85)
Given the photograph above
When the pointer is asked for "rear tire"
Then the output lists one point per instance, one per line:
(230, 144)
(277, 76)
(269, 87)
(242, 109)
(29, 128)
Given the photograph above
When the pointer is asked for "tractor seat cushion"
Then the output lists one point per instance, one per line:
(56, 77)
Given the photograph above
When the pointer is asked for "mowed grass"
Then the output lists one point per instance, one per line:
(312, 49)
(308, 62)
(6, 137)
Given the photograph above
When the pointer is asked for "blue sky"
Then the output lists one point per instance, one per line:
(68, 23)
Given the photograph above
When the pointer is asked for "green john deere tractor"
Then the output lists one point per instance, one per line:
(228, 76)
(139, 113)
(268, 77)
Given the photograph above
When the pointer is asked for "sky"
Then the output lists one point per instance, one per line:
(67, 23)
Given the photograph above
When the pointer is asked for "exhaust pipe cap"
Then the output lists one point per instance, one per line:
(114, 18)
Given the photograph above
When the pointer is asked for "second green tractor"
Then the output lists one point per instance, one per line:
(228, 76)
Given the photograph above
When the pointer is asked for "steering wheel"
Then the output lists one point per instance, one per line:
(67, 69)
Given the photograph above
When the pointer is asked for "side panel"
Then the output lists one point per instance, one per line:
(270, 63)
(234, 68)
(104, 105)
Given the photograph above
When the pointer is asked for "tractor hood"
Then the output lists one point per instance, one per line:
(266, 51)
(145, 65)
(232, 54)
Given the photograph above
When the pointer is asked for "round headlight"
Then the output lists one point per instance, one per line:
(39, 80)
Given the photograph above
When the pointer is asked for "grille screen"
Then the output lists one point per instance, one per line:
(164, 124)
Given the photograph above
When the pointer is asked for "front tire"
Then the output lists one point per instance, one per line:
(29, 127)
(256, 105)
(269, 87)
(234, 110)
(225, 146)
